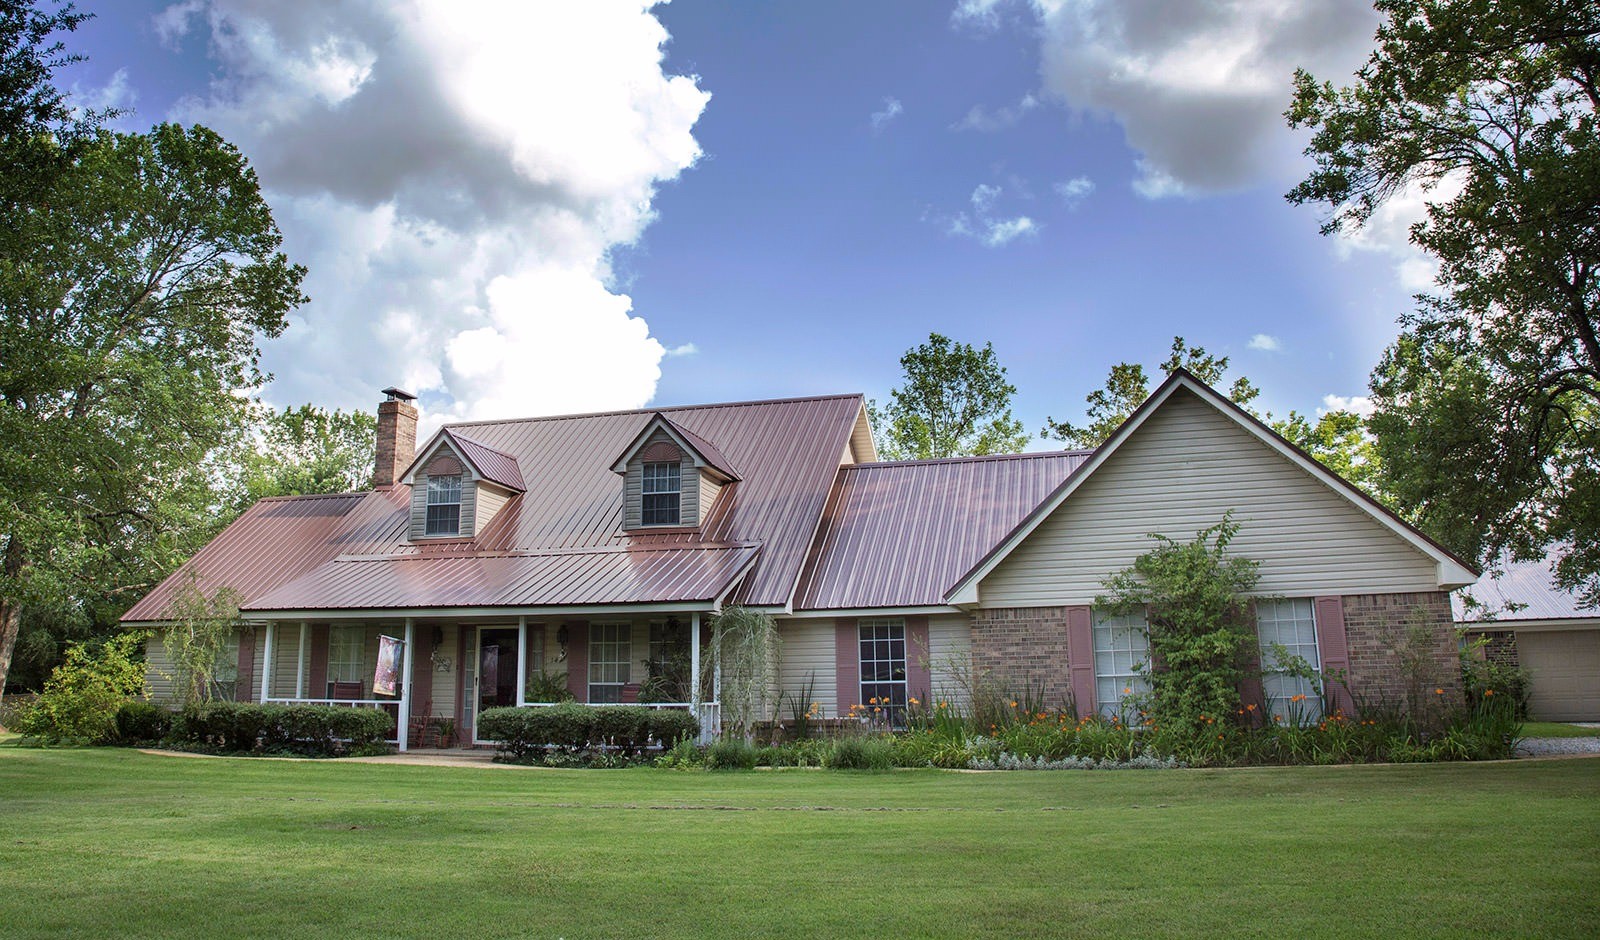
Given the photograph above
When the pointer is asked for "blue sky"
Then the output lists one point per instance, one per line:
(540, 210)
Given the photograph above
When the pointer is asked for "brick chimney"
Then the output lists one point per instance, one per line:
(397, 437)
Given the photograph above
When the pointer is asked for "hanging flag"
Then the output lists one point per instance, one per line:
(387, 677)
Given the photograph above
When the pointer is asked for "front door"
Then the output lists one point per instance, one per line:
(494, 673)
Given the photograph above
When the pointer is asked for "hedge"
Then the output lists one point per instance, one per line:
(519, 732)
(312, 729)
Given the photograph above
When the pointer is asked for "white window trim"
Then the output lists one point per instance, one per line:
(903, 683)
(645, 491)
(342, 640)
(1126, 684)
(622, 663)
(1278, 689)
(431, 502)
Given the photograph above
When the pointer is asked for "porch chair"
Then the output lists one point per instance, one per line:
(420, 724)
(344, 691)
(630, 694)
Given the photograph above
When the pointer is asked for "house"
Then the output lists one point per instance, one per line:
(585, 552)
(1529, 622)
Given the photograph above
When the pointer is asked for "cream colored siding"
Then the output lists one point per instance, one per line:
(490, 500)
(707, 497)
(419, 497)
(807, 651)
(950, 657)
(1178, 473)
(158, 671)
(444, 682)
(633, 487)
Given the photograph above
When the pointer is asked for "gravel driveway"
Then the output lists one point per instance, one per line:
(1533, 747)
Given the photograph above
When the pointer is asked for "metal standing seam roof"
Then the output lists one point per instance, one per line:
(591, 576)
(707, 450)
(788, 451)
(493, 465)
(1530, 583)
(901, 534)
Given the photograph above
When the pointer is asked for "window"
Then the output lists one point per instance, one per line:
(347, 648)
(536, 685)
(661, 494)
(225, 676)
(610, 650)
(444, 505)
(883, 665)
(1120, 644)
(1292, 624)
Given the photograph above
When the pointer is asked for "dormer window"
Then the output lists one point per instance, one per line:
(662, 493)
(444, 505)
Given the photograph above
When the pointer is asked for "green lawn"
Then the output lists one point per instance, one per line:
(117, 843)
(1556, 729)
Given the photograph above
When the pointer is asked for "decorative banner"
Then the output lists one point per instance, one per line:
(388, 674)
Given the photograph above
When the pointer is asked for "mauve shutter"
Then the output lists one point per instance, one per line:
(918, 680)
(1334, 650)
(244, 689)
(847, 663)
(1251, 691)
(1080, 653)
(578, 660)
(318, 680)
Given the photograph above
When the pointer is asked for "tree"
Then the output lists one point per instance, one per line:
(1127, 387)
(197, 637)
(955, 402)
(1489, 109)
(300, 451)
(134, 286)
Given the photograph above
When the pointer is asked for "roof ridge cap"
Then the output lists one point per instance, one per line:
(658, 410)
(933, 461)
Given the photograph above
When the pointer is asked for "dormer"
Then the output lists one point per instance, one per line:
(458, 485)
(671, 477)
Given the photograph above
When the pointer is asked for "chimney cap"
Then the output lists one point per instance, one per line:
(396, 394)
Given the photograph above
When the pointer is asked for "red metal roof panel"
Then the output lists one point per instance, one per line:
(493, 465)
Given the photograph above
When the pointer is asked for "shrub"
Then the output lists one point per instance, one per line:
(860, 753)
(140, 722)
(315, 730)
(682, 755)
(81, 698)
(731, 754)
(521, 732)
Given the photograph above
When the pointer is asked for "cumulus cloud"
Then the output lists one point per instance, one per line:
(891, 109)
(455, 190)
(983, 225)
(1075, 190)
(1360, 404)
(1199, 88)
(1265, 343)
(1388, 232)
(979, 118)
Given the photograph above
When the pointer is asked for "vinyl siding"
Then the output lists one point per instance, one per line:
(807, 650)
(707, 495)
(689, 481)
(419, 498)
(1177, 474)
(950, 657)
(490, 499)
(158, 671)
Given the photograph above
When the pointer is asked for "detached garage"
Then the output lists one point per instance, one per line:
(1551, 637)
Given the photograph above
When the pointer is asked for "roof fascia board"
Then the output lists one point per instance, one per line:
(1543, 625)
(1450, 572)
(658, 421)
(469, 613)
(924, 610)
(441, 438)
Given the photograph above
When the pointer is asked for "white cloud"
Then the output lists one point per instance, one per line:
(1265, 343)
(115, 93)
(1388, 232)
(982, 225)
(1360, 404)
(1075, 190)
(455, 190)
(891, 110)
(981, 14)
(980, 119)
(1199, 88)
(682, 349)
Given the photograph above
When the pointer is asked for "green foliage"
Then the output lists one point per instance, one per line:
(1127, 387)
(955, 401)
(80, 701)
(141, 722)
(668, 679)
(300, 451)
(310, 730)
(521, 733)
(1194, 596)
(804, 709)
(1484, 678)
(860, 752)
(196, 638)
(548, 687)
(744, 646)
(1488, 415)
(731, 754)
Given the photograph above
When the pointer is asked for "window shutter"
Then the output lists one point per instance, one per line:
(244, 689)
(317, 684)
(847, 660)
(919, 681)
(1080, 655)
(578, 659)
(1334, 650)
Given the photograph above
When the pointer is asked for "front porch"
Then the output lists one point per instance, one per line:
(453, 669)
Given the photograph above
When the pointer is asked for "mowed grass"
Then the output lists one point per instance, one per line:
(117, 843)
(1557, 729)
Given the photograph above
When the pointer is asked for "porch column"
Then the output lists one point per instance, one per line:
(300, 662)
(266, 661)
(522, 659)
(694, 663)
(403, 722)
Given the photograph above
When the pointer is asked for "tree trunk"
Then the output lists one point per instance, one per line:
(10, 618)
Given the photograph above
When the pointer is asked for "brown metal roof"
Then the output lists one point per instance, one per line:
(901, 534)
(707, 450)
(787, 451)
(493, 465)
(591, 576)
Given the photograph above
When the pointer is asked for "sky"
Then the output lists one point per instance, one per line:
(520, 208)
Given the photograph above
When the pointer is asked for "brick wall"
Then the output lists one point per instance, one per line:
(1024, 648)
(1502, 648)
(1376, 627)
